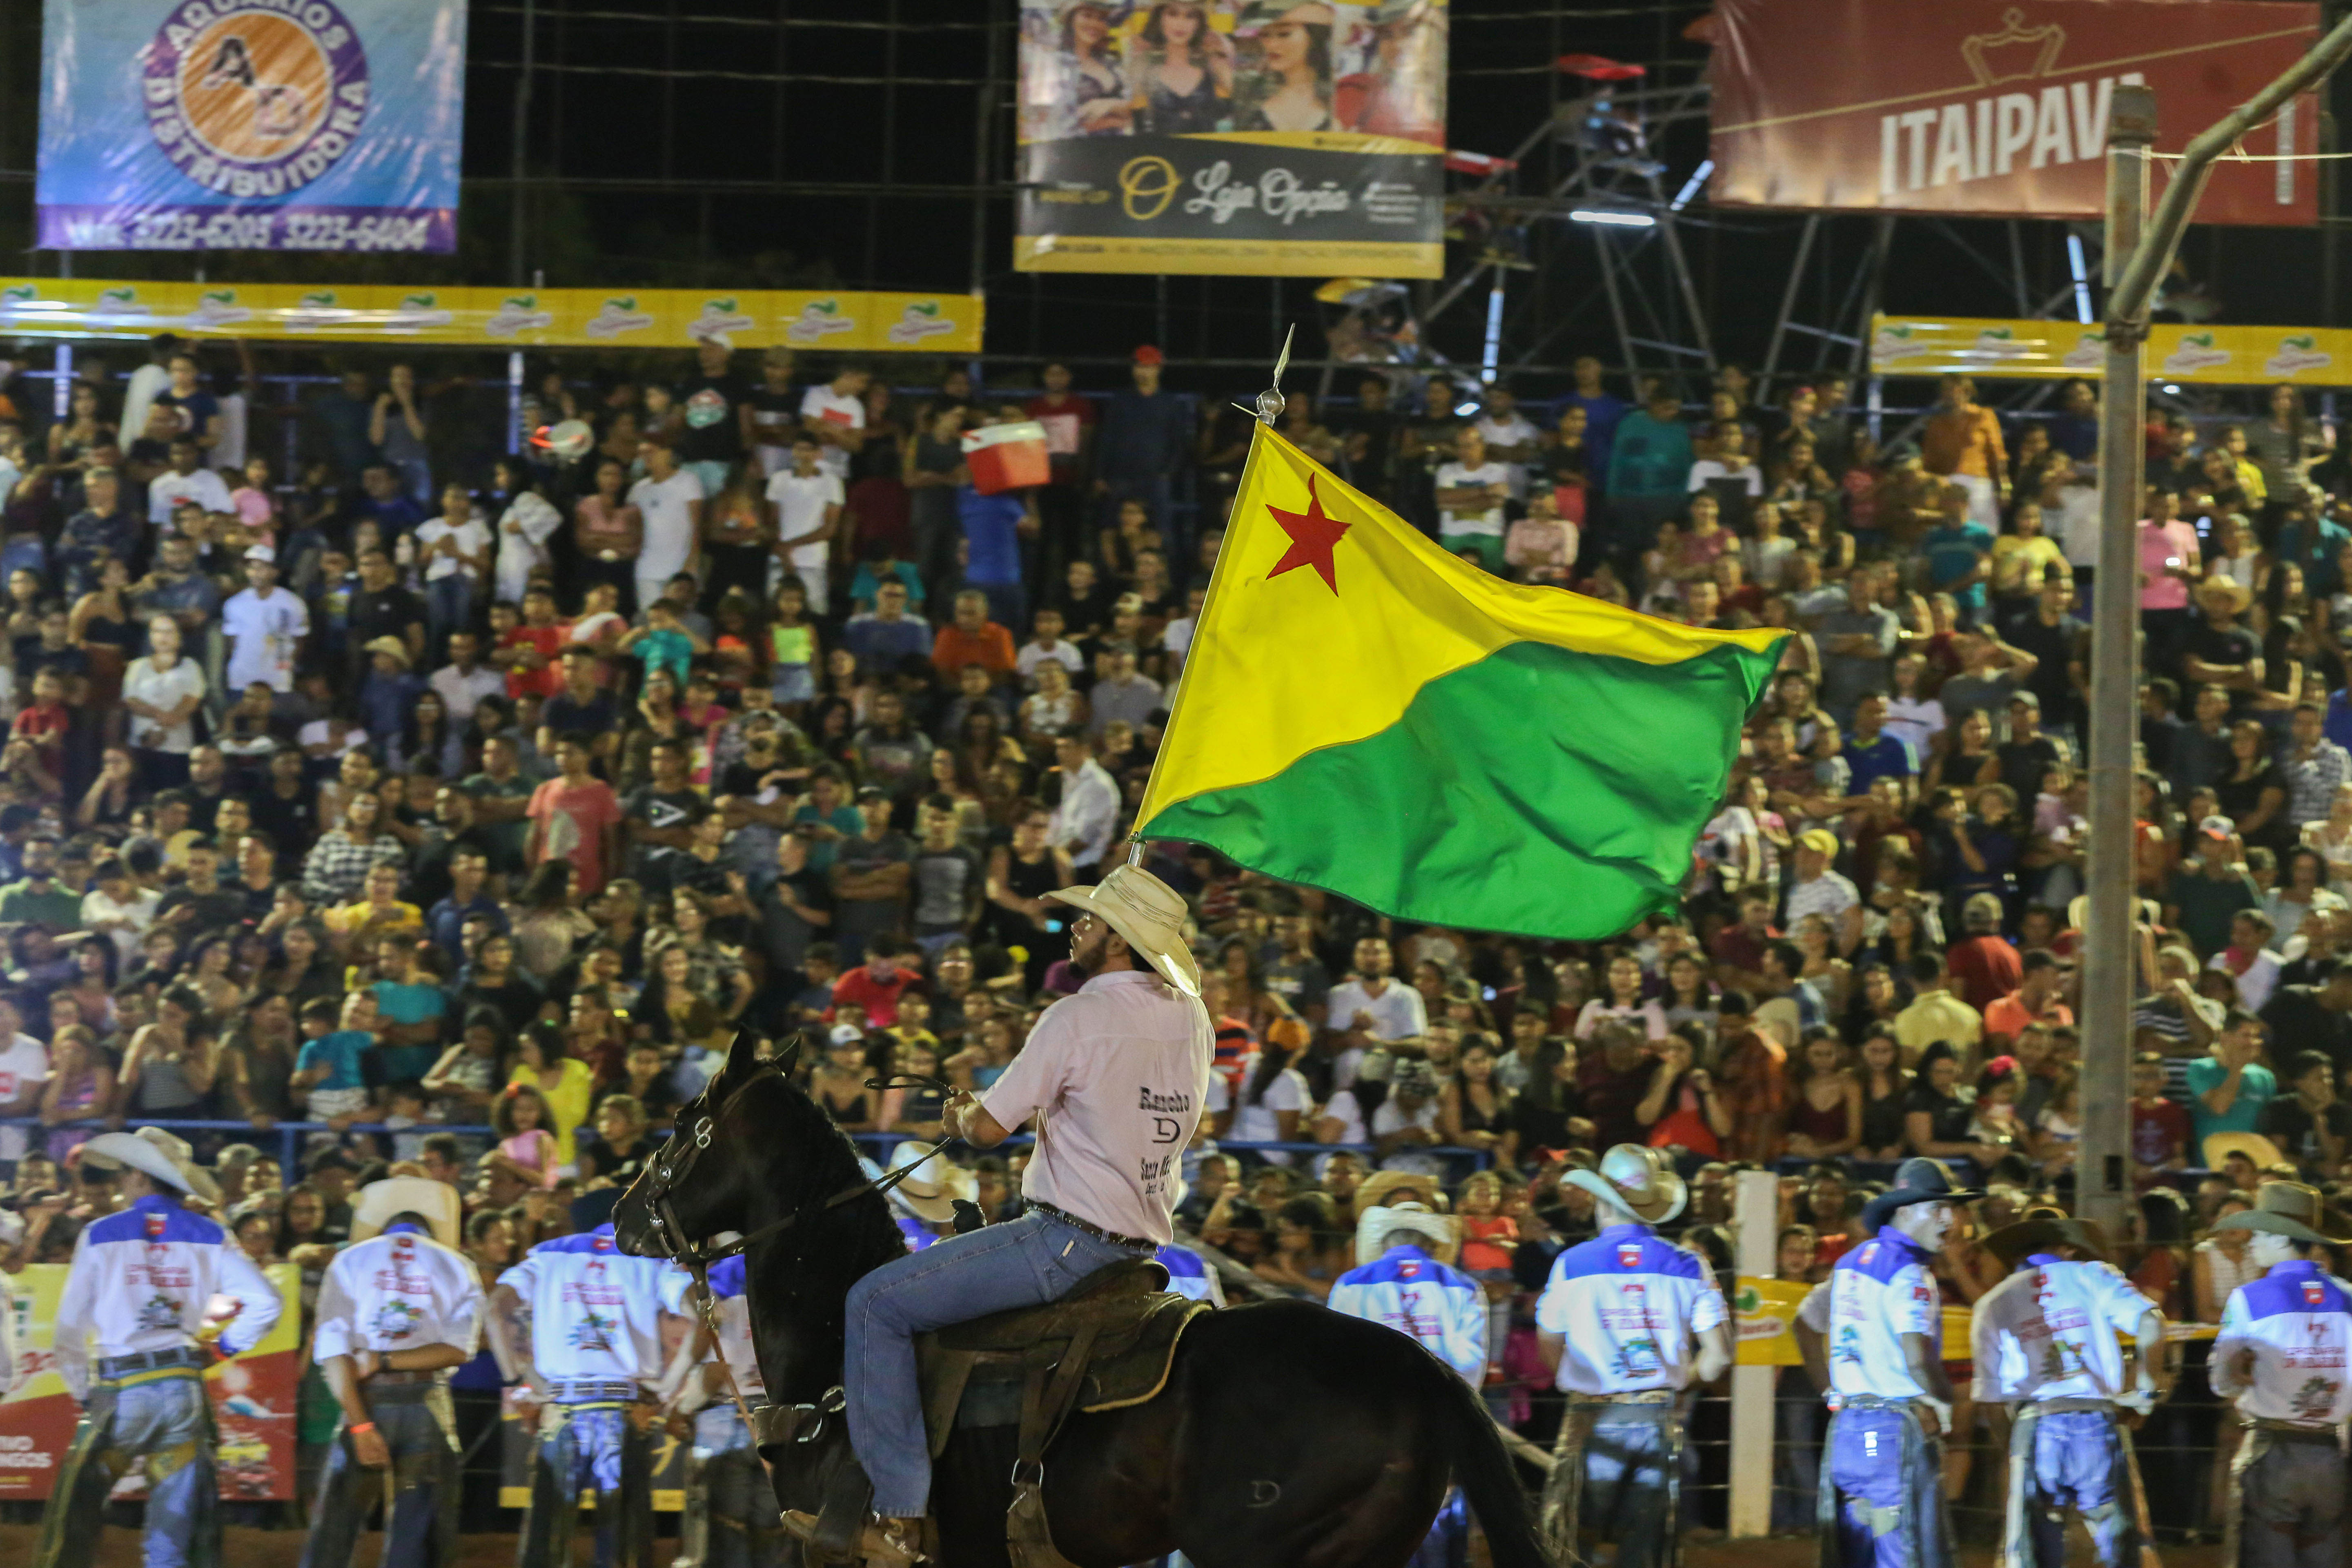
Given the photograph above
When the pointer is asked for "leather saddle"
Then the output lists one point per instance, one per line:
(1108, 1344)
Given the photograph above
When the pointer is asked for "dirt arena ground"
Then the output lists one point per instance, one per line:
(283, 1549)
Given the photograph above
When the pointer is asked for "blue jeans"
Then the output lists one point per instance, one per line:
(448, 607)
(1025, 1262)
(2078, 1463)
(1890, 1491)
(2291, 1514)
(425, 1479)
(595, 1448)
(167, 1423)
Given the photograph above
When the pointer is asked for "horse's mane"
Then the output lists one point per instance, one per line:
(810, 1159)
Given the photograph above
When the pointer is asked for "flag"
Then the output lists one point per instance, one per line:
(1363, 712)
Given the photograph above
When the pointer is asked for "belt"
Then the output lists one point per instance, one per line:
(1646, 1396)
(403, 1379)
(1133, 1243)
(2288, 1432)
(414, 1388)
(582, 1392)
(2056, 1407)
(188, 1357)
(1873, 1402)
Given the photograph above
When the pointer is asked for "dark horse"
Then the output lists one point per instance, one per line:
(1288, 1434)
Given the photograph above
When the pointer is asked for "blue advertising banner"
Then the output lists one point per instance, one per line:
(250, 124)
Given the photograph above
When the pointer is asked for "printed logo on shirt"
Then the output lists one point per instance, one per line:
(1629, 1255)
(1637, 1358)
(160, 1312)
(394, 1320)
(2313, 1295)
(1921, 1294)
(2316, 1400)
(593, 1332)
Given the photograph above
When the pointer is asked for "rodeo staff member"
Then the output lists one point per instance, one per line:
(2047, 1342)
(1114, 1075)
(731, 1513)
(142, 1279)
(1619, 1320)
(2280, 1357)
(1881, 1492)
(398, 1308)
(579, 1323)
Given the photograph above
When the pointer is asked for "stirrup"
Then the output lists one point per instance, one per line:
(881, 1544)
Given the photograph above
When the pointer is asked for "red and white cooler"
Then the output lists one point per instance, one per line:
(1007, 457)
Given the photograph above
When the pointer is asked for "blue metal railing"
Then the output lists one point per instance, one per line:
(876, 1145)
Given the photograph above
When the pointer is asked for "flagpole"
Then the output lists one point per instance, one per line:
(1269, 406)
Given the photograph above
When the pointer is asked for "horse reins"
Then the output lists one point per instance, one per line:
(668, 1170)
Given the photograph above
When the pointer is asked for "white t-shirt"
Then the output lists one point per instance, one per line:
(2050, 1333)
(163, 688)
(669, 523)
(1115, 1076)
(1513, 432)
(800, 508)
(1915, 721)
(168, 490)
(1706, 471)
(1344, 1109)
(461, 693)
(1454, 476)
(473, 537)
(24, 1063)
(1064, 652)
(822, 405)
(139, 912)
(265, 631)
(1397, 1012)
(1256, 1123)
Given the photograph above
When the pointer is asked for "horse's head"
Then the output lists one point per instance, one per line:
(685, 1196)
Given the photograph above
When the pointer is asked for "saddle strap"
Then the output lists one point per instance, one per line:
(1047, 1397)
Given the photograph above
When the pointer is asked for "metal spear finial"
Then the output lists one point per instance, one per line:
(1270, 401)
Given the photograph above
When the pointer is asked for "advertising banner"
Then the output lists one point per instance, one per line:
(252, 1393)
(496, 318)
(250, 124)
(2217, 356)
(1268, 139)
(1998, 107)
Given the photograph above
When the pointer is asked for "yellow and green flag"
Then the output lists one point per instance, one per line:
(1363, 712)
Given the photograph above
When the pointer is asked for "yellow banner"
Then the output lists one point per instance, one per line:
(496, 317)
(2218, 356)
(1762, 1310)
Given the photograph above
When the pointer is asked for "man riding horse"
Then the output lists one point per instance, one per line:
(1114, 1076)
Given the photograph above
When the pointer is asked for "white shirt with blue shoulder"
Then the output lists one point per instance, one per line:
(1414, 1294)
(595, 1312)
(2053, 1331)
(1628, 1306)
(141, 1281)
(395, 1292)
(1878, 1293)
(1188, 1275)
(2297, 1321)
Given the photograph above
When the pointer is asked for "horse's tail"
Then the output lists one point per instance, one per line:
(1484, 1468)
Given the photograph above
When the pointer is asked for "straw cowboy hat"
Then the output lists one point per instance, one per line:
(2291, 1210)
(1378, 1229)
(1375, 1191)
(1148, 913)
(2045, 1230)
(1636, 1179)
(2219, 1146)
(2237, 593)
(435, 1203)
(929, 1191)
(391, 645)
(154, 1153)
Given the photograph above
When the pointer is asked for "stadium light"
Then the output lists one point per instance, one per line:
(1624, 220)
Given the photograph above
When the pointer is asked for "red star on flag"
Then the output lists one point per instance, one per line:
(1313, 533)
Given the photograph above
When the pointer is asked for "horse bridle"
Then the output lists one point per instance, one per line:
(771, 1423)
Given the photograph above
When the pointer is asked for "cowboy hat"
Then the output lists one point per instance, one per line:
(2291, 1210)
(2046, 1230)
(929, 1192)
(154, 1153)
(1916, 1181)
(1378, 1229)
(2237, 593)
(2078, 911)
(1637, 1180)
(435, 1203)
(392, 646)
(1374, 1190)
(1148, 913)
(2219, 1146)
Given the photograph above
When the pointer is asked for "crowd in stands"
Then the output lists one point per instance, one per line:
(429, 788)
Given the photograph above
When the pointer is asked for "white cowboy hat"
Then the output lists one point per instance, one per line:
(435, 1203)
(929, 1192)
(154, 1153)
(1150, 914)
(1382, 1227)
(1636, 1179)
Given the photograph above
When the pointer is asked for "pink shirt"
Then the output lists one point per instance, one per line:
(1115, 1075)
(2176, 542)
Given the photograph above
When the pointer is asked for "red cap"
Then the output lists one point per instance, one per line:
(1146, 354)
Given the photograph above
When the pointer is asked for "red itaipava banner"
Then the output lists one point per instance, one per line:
(1997, 108)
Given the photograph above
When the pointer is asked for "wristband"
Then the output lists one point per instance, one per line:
(362, 1426)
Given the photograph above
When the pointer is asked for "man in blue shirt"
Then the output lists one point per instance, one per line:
(1602, 414)
(1145, 438)
(995, 529)
(1959, 553)
(1872, 753)
(393, 513)
(883, 639)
